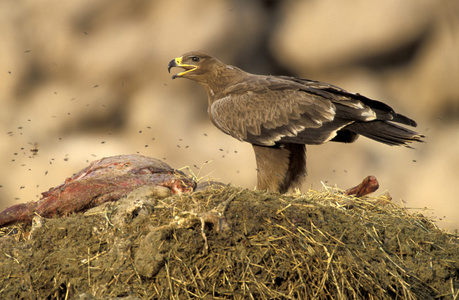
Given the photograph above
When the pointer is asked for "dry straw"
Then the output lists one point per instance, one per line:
(231, 243)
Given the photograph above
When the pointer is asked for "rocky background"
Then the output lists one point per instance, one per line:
(81, 80)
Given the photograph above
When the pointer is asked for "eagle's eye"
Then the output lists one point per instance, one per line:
(195, 59)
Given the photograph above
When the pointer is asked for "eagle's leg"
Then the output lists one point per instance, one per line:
(281, 167)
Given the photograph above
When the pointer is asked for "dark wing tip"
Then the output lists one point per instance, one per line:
(398, 118)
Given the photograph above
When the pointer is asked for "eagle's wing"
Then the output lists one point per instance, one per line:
(339, 95)
(264, 110)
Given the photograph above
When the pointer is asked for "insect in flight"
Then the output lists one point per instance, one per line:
(34, 148)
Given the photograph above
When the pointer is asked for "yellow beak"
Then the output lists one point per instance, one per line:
(177, 62)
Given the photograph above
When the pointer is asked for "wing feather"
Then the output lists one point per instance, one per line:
(265, 111)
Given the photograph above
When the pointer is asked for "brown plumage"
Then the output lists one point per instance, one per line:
(278, 115)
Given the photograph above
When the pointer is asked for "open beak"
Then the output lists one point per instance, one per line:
(177, 62)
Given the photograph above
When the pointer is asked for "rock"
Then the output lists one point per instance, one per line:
(152, 252)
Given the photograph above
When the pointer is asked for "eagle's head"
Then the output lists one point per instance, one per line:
(195, 64)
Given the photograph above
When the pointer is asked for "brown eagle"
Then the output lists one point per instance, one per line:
(279, 115)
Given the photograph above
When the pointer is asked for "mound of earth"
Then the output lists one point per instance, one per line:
(226, 243)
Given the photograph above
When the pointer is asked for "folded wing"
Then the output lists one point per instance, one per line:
(267, 110)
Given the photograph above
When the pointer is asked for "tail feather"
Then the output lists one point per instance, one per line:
(386, 132)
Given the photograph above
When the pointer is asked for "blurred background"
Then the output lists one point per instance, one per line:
(81, 80)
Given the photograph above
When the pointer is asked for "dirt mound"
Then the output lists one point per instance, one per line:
(226, 243)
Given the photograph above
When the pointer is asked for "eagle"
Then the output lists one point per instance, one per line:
(279, 115)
